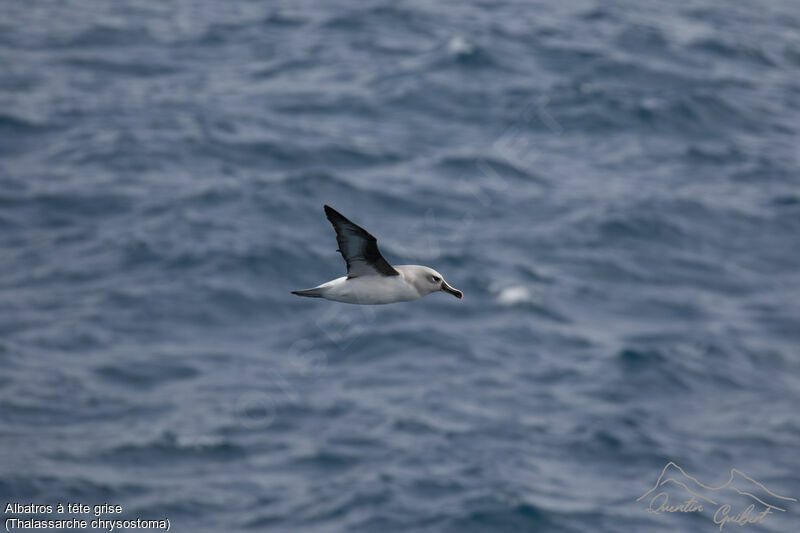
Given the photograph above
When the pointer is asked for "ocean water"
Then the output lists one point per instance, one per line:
(613, 185)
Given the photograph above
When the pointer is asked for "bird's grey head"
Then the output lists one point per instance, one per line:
(426, 280)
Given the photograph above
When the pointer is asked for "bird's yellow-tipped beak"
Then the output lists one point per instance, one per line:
(447, 288)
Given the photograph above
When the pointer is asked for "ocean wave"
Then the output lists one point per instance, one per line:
(169, 449)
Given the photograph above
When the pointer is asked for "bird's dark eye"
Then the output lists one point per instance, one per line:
(436, 279)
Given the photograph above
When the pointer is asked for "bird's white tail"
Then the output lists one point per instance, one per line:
(309, 293)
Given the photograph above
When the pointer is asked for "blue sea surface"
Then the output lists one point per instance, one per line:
(615, 186)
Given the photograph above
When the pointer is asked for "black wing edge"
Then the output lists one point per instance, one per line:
(370, 252)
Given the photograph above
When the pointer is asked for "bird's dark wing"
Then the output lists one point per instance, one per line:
(359, 248)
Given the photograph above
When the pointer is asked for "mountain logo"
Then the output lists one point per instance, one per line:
(741, 500)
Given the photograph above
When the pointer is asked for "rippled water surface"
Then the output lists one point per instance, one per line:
(613, 185)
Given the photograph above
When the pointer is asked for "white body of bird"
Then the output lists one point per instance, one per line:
(413, 283)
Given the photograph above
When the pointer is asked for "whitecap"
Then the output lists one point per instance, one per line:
(459, 46)
(515, 295)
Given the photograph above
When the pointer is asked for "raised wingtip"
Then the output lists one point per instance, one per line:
(334, 216)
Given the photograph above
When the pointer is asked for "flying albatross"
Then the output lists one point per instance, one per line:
(370, 278)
